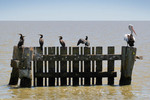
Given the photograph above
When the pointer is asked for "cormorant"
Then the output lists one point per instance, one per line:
(61, 41)
(21, 41)
(87, 43)
(84, 41)
(129, 37)
(41, 41)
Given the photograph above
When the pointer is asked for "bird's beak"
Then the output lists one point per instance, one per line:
(134, 31)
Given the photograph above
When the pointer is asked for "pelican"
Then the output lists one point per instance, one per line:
(84, 41)
(41, 41)
(61, 41)
(21, 41)
(129, 38)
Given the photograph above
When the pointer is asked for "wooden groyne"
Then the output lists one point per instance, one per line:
(75, 66)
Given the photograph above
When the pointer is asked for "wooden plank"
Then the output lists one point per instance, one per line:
(111, 50)
(65, 57)
(77, 74)
(98, 66)
(127, 63)
(86, 66)
(93, 65)
(57, 84)
(39, 66)
(82, 70)
(70, 48)
(45, 53)
(34, 69)
(63, 66)
(51, 66)
(76, 67)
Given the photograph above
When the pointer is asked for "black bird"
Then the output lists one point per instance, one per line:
(41, 41)
(21, 41)
(61, 41)
(84, 41)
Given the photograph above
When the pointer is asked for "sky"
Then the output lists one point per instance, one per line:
(74, 10)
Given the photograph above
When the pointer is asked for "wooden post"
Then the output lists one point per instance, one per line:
(127, 63)
(63, 65)
(25, 69)
(81, 52)
(57, 67)
(39, 64)
(99, 66)
(111, 50)
(86, 66)
(51, 66)
(34, 69)
(69, 66)
(76, 67)
(93, 66)
(17, 55)
(45, 53)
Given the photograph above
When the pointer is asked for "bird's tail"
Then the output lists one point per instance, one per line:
(41, 47)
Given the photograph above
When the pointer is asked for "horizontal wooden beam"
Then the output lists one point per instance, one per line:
(77, 74)
(77, 57)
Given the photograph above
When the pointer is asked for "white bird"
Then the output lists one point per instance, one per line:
(129, 38)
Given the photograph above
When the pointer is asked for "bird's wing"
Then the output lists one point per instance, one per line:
(126, 37)
(81, 41)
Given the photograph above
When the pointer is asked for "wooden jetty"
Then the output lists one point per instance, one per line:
(75, 66)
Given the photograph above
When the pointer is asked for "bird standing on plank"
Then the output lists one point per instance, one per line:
(61, 41)
(21, 41)
(41, 41)
(129, 38)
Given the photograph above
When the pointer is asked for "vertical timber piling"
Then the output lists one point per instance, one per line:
(25, 68)
(127, 63)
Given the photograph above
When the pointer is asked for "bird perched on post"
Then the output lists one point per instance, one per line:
(129, 38)
(41, 41)
(21, 41)
(61, 41)
(84, 41)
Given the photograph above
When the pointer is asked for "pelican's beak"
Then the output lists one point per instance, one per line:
(134, 31)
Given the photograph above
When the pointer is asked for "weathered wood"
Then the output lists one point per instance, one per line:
(98, 66)
(89, 57)
(39, 65)
(14, 76)
(70, 49)
(93, 65)
(57, 84)
(77, 74)
(82, 70)
(127, 63)
(15, 63)
(111, 50)
(51, 65)
(34, 69)
(17, 55)
(45, 52)
(25, 70)
(76, 67)
(86, 66)
(63, 64)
